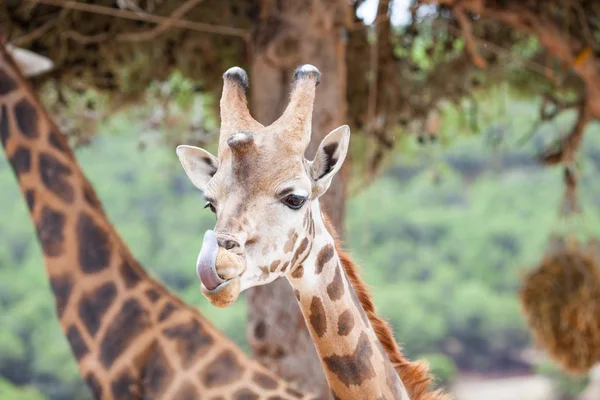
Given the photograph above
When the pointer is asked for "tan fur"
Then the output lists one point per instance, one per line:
(414, 374)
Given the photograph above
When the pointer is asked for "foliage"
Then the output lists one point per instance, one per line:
(398, 75)
(8, 391)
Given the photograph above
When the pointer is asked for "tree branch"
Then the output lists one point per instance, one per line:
(165, 25)
(467, 31)
(550, 36)
(39, 31)
(178, 23)
(567, 146)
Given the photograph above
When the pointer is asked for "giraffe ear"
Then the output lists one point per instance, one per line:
(329, 158)
(199, 165)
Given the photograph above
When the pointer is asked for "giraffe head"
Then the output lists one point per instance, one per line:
(261, 188)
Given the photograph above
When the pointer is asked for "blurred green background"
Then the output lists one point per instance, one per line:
(443, 237)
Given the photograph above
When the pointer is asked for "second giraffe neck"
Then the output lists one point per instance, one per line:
(355, 363)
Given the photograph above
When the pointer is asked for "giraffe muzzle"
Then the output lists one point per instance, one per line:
(219, 271)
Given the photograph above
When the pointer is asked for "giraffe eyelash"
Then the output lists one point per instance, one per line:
(211, 206)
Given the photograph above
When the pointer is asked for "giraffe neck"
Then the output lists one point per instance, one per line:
(355, 363)
(131, 337)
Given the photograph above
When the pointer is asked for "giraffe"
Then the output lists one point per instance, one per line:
(269, 224)
(130, 336)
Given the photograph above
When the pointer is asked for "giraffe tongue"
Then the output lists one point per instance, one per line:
(205, 265)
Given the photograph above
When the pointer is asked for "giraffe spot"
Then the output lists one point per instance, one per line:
(187, 392)
(49, 229)
(166, 312)
(318, 319)
(4, 129)
(93, 307)
(260, 330)
(59, 142)
(153, 295)
(284, 266)
(54, 177)
(335, 396)
(90, 196)
(356, 368)
(93, 247)
(77, 343)
(294, 393)
(125, 386)
(299, 251)
(157, 372)
(289, 245)
(129, 323)
(276, 397)
(329, 161)
(245, 394)
(264, 272)
(345, 323)
(30, 198)
(274, 265)
(7, 84)
(21, 161)
(130, 276)
(62, 287)
(264, 381)
(94, 385)
(223, 370)
(191, 340)
(298, 272)
(335, 289)
(358, 306)
(27, 118)
(325, 254)
(306, 218)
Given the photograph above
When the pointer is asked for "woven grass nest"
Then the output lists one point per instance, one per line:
(561, 302)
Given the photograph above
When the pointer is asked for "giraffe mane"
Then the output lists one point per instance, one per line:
(414, 374)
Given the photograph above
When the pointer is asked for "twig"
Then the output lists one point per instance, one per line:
(39, 31)
(570, 203)
(178, 23)
(467, 31)
(152, 33)
(558, 107)
(531, 65)
(85, 39)
(565, 153)
(585, 29)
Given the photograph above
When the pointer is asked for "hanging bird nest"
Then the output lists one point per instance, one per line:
(560, 297)
(561, 302)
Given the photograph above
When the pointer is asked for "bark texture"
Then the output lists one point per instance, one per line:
(287, 35)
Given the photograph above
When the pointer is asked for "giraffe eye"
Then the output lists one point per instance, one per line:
(294, 202)
(210, 205)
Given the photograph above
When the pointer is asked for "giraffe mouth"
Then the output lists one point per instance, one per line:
(219, 271)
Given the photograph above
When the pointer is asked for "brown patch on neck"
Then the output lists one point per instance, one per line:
(415, 375)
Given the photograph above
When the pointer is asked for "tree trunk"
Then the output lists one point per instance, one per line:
(287, 35)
